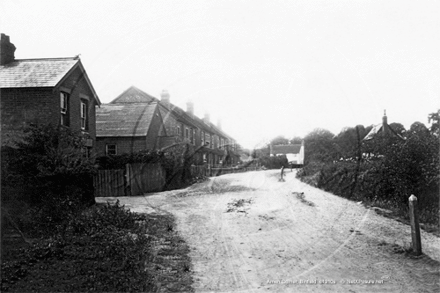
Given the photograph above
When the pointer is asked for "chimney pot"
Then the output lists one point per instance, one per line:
(7, 50)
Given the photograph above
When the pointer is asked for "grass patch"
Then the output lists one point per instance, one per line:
(106, 248)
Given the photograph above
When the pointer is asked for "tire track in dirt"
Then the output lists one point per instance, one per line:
(280, 237)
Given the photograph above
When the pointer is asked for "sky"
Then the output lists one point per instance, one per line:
(264, 68)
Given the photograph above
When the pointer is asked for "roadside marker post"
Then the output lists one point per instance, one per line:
(415, 228)
(282, 174)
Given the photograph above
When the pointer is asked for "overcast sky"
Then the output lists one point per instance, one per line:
(266, 68)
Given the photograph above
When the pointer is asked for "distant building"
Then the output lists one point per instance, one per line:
(53, 91)
(382, 130)
(293, 152)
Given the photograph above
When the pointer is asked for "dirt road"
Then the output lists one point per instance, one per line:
(251, 233)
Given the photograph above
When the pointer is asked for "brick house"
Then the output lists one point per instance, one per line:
(53, 91)
(128, 127)
(182, 126)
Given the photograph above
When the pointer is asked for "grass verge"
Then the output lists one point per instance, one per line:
(106, 248)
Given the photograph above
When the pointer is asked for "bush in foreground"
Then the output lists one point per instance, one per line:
(104, 249)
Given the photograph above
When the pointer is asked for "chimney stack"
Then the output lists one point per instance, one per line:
(7, 50)
(190, 108)
(206, 118)
(385, 123)
(165, 98)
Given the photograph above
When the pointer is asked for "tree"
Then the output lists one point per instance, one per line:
(412, 167)
(296, 140)
(398, 128)
(434, 119)
(49, 169)
(279, 140)
(349, 141)
(320, 146)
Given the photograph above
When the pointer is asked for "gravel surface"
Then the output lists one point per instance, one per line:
(249, 232)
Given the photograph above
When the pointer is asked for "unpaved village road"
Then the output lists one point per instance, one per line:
(281, 241)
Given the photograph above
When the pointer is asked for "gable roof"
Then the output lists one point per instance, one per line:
(379, 128)
(34, 73)
(286, 149)
(124, 120)
(133, 95)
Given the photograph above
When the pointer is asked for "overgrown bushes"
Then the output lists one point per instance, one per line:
(274, 162)
(68, 245)
(384, 171)
(104, 249)
(49, 162)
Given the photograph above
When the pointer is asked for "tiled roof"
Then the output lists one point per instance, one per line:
(379, 129)
(286, 149)
(133, 95)
(35, 72)
(132, 119)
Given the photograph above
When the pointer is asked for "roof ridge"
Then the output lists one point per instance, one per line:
(49, 58)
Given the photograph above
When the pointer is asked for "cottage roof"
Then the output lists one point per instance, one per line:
(286, 149)
(46, 72)
(124, 120)
(378, 129)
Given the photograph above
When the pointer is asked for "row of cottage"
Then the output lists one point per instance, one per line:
(58, 91)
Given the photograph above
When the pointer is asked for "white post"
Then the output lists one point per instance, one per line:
(415, 229)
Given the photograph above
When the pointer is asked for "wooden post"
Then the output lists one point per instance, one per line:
(415, 229)
(282, 174)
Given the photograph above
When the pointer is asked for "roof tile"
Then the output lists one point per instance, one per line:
(35, 72)
(125, 120)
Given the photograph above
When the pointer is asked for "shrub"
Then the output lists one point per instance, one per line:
(103, 249)
(274, 162)
(398, 169)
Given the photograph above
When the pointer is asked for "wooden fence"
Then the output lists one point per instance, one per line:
(144, 178)
(109, 183)
(138, 179)
(135, 179)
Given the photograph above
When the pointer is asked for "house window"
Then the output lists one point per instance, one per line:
(186, 133)
(84, 115)
(208, 139)
(111, 149)
(64, 108)
(202, 138)
(191, 135)
(178, 130)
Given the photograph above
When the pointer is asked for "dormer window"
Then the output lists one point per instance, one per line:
(64, 108)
